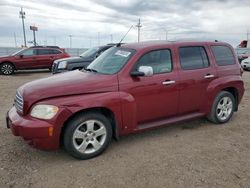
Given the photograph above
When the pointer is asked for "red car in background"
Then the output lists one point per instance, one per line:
(36, 57)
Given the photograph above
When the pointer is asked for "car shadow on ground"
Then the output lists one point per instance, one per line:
(172, 130)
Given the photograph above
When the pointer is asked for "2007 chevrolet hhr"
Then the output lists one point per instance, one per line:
(127, 89)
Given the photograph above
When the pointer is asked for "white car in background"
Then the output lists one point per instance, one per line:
(245, 64)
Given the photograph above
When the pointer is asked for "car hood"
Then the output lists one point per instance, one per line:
(69, 83)
(75, 59)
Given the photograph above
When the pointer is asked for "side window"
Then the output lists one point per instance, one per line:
(193, 58)
(56, 52)
(223, 55)
(159, 60)
(44, 51)
(29, 52)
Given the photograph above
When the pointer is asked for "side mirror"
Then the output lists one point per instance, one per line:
(143, 71)
(21, 56)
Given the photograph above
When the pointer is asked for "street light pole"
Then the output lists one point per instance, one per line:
(22, 16)
(139, 29)
(70, 41)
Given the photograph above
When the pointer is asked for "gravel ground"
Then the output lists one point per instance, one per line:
(191, 154)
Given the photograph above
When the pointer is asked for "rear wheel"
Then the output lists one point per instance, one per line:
(7, 68)
(87, 135)
(223, 108)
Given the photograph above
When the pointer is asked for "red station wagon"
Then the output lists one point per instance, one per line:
(128, 89)
(36, 57)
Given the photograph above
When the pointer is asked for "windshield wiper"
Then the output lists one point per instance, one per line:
(90, 70)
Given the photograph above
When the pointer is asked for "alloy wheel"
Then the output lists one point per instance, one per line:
(224, 108)
(89, 136)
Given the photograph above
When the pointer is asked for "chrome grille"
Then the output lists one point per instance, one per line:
(19, 102)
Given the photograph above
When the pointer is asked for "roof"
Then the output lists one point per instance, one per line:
(164, 43)
(45, 47)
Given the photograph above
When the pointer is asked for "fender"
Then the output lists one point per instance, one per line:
(219, 84)
(121, 104)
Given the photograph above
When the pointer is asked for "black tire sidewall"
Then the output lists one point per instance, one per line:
(74, 123)
(214, 108)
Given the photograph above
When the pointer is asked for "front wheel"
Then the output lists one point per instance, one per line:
(7, 68)
(87, 135)
(223, 108)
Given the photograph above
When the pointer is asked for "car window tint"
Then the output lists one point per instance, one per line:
(44, 51)
(28, 52)
(193, 58)
(223, 55)
(159, 60)
(56, 52)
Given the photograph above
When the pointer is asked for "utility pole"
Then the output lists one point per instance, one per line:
(139, 29)
(15, 39)
(111, 38)
(98, 38)
(90, 42)
(54, 40)
(22, 16)
(70, 41)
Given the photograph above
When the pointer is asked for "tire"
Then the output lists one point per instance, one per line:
(223, 108)
(87, 135)
(7, 68)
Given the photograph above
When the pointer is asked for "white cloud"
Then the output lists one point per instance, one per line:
(226, 20)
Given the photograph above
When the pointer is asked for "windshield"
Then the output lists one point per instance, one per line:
(111, 61)
(90, 52)
(17, 52)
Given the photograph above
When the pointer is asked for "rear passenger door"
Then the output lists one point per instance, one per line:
(195, 74)
(45, 58)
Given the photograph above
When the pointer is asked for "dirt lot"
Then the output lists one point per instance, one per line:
(190, 154)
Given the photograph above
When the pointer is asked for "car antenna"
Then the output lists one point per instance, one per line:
(119, 44)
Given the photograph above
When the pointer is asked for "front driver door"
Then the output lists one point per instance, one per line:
(26, 59)
(156, 96)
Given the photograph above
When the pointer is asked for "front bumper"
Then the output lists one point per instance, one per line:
(59, 71)
(35, 132)
(245, 66)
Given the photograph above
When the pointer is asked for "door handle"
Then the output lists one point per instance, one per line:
(168, 82)
(209, 76)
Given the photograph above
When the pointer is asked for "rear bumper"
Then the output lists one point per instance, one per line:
(35, 132)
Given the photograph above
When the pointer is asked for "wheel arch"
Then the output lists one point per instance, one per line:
(103, 110)
(235, 93)
(8, 62)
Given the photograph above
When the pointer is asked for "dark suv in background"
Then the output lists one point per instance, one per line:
(36, 57)
(73, 63)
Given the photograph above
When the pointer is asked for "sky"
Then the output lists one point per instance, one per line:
(88, 23)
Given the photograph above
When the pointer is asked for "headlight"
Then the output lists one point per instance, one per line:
(43, 111)
(62, 65)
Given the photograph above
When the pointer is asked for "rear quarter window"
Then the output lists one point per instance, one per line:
(223, 55)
